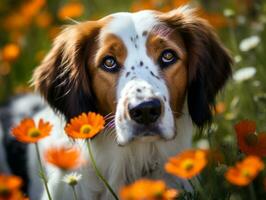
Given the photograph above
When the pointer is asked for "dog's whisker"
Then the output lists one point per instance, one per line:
(108, 115)
(108, 126)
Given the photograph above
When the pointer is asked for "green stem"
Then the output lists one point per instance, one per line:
(74, 193)
(98, 173)
(199, 187)
(252, 192)
(42, 173)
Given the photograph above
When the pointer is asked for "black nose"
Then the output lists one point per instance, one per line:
(146, 112)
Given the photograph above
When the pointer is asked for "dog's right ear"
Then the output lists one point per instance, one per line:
(62, 77)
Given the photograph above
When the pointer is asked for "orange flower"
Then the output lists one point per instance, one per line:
(43, 20)
(85, 126)
(187, 164)
(148, 190)
(9, 186)
(248, 140)
(65, 158)
(27, 131)
(244, 172)
(71, 10)
(216, 20)
(161, 5)
(219, 108)
(10, 52)
(31, 8)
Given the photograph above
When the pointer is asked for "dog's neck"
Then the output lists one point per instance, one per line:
(122, 165)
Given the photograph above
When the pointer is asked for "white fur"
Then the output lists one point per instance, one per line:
(119, 165)
(129, 27)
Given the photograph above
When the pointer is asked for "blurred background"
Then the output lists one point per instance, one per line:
(27, 29)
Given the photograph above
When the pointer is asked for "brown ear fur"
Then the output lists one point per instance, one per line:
(62, 77)
(209, 63)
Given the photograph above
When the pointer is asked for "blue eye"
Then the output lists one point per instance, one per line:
(109, 64)
(168, 57)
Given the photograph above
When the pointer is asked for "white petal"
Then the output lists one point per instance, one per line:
(244, 74)
(249, 43)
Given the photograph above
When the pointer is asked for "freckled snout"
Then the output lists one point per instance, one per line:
(146, 112)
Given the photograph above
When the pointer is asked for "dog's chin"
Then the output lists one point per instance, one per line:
(144, 135)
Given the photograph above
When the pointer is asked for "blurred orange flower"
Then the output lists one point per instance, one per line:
(28, 132)
(160, 5)
(219, 108)
(245, 171)
(187, 164)
(9, 187)
(10, 52)
(43, 19)
(54, 31)
(14, 21)
(85, 126)
(148, 190)
(31, 8)
(71, 10)
(65, 158)
(23, 16)
(215, 19)
(249, 142)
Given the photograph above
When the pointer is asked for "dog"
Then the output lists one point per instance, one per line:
(153, 74)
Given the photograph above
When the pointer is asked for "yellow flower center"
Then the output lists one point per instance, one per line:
(34, 132)
(245, 173)
(188, 164)
(85, 129)
(72, 181)
(251, 139)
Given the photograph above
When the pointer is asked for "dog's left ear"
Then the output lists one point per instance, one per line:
(209, 63)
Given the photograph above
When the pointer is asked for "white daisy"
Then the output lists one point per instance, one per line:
(203, 144)
(238, 58)
(72, 179)
(249, 43)
(229, 12)
(244, 74)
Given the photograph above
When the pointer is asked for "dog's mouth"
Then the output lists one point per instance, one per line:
(145, 134)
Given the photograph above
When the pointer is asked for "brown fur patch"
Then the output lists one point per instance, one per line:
(176, 75)
(104, 83)
(62, 77)
(208, 61)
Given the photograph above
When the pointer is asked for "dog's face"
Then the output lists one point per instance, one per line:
(139, 66)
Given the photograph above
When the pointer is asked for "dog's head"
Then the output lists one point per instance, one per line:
(140, 66)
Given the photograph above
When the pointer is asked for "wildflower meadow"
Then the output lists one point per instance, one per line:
(227, 161)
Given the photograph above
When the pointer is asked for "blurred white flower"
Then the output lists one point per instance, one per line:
(238, 58)
(244, 74)
(234, 102)
(241, 19)
(229, 12)
(72, 179)
(249, 43)
(203, 144)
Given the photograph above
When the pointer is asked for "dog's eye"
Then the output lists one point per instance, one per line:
(167, 58)
(109, 64)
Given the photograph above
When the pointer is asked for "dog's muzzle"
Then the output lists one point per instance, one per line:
(147, 112)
